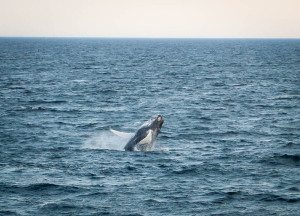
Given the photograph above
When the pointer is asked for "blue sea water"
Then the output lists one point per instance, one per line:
(229, 144)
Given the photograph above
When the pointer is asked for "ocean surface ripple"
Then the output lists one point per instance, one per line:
(229, 145)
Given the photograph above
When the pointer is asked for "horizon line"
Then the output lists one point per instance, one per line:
(134, 37)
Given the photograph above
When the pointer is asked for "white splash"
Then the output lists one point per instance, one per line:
(105, 140)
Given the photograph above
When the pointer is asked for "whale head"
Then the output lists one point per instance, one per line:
(157, 122)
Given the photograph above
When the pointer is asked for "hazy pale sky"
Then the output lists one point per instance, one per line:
(151, 18)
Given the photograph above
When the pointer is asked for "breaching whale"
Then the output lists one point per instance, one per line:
(144, 138)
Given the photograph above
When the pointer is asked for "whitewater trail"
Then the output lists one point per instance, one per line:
(105, 140)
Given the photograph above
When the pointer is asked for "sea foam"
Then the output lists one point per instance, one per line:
(105, 140)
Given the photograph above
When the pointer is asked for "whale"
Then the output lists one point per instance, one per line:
(144, 138)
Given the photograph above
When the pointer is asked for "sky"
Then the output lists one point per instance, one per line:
(151, 18)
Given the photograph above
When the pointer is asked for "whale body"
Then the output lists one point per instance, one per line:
(144, 138)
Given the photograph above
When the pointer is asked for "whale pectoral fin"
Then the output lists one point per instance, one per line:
(122, 134)
(148, 138)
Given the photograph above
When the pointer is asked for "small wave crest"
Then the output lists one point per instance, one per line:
(282, 159)
(105, 140)
(37, 187)
(286, 97)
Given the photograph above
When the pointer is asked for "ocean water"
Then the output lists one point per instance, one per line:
(229, 144)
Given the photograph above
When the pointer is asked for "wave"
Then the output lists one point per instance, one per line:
(42, 186)
(47, 101)
(152, 201)
(16, 87)
(294, 189)
(286, 97)
(106, 91)
(61, 206)
(68, 110)
(294, 158)
(279, 198)
(38, 108)
(37, 187)
(188, 170)
(88, 125)
(8, 212)
(282, 159)
(44, 109)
